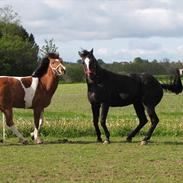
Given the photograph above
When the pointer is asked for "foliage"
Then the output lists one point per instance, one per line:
(74, 73)
(75, 70)
(18, 50)
(139, 66)
(7, 15)
(49, 47)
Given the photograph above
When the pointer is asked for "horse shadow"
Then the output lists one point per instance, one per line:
(85, 142)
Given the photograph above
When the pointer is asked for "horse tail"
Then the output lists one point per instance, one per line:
(174, 86)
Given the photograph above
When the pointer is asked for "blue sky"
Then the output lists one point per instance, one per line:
(118, 30)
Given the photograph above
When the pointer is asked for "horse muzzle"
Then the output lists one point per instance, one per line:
(88, 72)
(59, 70)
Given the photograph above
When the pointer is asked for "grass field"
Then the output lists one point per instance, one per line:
(69, 115)
(80, 159)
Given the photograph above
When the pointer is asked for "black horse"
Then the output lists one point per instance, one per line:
(107, 89)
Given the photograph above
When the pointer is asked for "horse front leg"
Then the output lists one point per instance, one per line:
(104, 112)
(9, 121)
(38, 122)
(96, 112)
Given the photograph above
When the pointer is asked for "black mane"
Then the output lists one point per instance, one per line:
(43, 66)
(84, 53)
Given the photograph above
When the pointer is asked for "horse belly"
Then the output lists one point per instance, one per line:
(10, 96)
(18, 99)
(121, 100)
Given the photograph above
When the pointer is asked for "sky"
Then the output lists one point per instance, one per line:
(117, 30)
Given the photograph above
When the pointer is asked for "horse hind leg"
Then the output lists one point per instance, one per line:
(9, 121)
(154, 121)
(140, 111)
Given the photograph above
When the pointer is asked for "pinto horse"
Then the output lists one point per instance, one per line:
(107, 89)
(33, 92)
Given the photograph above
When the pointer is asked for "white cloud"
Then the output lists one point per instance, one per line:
(138, 24)
(88, 20)
(179, 50)
(102, 51)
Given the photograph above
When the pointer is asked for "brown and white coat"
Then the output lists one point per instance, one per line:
(33, 92)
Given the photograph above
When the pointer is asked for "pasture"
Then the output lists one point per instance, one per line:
(70, 153)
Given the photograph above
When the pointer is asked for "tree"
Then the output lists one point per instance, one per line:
(7, 15)
(18, 50)
(100, 61)
(49, 47)
(139, 60)
(79, 61)
(74, 73)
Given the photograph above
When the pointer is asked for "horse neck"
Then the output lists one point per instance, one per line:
(100, 77)
(49, 82)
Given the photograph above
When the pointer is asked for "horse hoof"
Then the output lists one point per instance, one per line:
(38, 141)
(129, 139)
(144, 142)
(99, 140)
(24, 141)
(106, 142)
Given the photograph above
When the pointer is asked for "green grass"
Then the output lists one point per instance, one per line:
(82, 160)
(69, 115)
(79, 158)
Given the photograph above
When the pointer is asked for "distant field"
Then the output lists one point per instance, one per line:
(70, 153)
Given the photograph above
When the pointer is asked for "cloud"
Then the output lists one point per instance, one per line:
(144, 44)
(179, 50)
(102, 51)
(141, 27)
(89, 20)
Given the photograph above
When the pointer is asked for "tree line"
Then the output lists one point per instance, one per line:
(19, 54)
(75, 71)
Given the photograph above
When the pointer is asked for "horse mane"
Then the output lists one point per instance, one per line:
(84, 53)
(43, 65)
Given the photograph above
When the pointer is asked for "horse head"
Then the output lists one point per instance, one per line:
(52, 61)
(90, 63)
(56, 64)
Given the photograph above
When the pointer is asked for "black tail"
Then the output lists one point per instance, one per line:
(176, 85)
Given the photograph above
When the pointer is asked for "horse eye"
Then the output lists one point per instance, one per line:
(53, 62)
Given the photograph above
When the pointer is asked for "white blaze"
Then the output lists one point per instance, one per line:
(29, 92)
(87, 61)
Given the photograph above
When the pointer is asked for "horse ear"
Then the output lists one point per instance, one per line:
(80, 54)
(91, 51)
